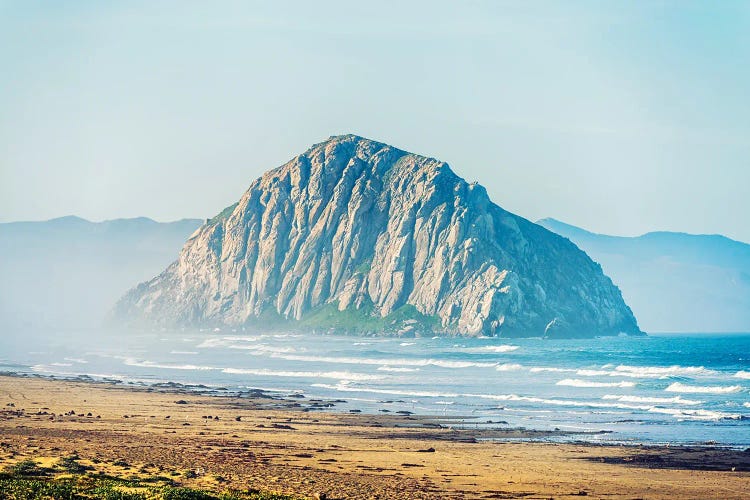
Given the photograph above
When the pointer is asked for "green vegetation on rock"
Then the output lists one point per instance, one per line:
(365, 319)
(223, 214)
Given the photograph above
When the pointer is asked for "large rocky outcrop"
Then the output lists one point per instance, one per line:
(357, 235)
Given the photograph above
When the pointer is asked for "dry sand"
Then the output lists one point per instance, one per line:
(274, 445)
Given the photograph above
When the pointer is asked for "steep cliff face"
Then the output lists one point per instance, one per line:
(355, 234)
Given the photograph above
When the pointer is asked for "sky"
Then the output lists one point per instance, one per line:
(620, 117)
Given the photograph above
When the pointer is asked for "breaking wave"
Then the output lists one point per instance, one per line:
(540, 369)
(385, 362)
(585, 383)
(492, 348)
(703, 389)
(363, 377)
(643, 399)
(507, 367)
(686, 414)
(166, 366)
(647, 371)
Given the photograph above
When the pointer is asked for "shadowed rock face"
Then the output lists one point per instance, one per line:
(357, 235)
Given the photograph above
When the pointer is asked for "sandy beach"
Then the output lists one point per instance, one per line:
(290, 446)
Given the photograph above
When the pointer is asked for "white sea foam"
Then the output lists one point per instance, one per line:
(49, 369)
(208, 343)
(394, 392)
(594, 373)
(245, 344)
(404, 344)
(494, 397)
(689, 414)
(343, 375)
(492, 348)
(110, 376)
(262, 348)
(76, 360)
(663, 371)
(703, 389)
(556, 402)
(228, 341)
(166, 366)
(401, 369)
(645, 399)
(646, 371)
(746, 404)
(539, 369)
(385, 362)
(507, 367)
(585, 383)
(742, 374)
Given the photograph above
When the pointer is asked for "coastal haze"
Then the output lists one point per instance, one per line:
(675, 282)
(65, 274)
(284, 292)
(254, 251)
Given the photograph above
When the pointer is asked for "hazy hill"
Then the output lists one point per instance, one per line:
(357, 235)
(67, 272)
(674, 282)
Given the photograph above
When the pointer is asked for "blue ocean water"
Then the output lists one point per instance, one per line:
(679, 389)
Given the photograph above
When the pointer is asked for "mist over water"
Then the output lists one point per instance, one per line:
(668, 388)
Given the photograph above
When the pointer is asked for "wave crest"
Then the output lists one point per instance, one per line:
(703, 389)
(585, 383)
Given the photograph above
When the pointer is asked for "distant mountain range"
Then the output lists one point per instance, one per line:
(674, 282)
(354, 235)
(68, 272)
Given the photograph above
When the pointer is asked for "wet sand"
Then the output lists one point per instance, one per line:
(289, 446)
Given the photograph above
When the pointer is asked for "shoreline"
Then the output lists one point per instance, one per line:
(272, 444)
(297, 400)
(469, 424)
(466, 426)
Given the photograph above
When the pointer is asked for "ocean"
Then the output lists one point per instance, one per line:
(679, 389)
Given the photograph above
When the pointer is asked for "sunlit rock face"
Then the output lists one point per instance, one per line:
(359, 236)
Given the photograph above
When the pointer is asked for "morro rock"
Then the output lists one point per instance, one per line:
(358, 236)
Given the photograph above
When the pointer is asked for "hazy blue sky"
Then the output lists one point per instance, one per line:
(622, 117)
